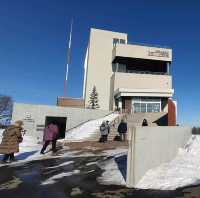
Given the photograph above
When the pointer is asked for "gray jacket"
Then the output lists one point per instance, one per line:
(103, 129)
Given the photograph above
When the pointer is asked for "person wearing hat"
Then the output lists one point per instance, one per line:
(12, 136)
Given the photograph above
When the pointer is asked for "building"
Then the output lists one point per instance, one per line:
(132, 77)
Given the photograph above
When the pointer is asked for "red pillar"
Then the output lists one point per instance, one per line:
(171, 113)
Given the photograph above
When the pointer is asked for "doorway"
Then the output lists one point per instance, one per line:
(60, 122)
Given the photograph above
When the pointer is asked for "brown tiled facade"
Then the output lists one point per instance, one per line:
(171, 113)
(70, 102)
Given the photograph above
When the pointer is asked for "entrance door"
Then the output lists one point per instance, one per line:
(60, 122)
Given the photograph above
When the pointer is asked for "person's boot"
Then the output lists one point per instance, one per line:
(13, 159)
(5, 161)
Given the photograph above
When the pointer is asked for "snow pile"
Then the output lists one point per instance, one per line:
(184, 170)
(88, 129)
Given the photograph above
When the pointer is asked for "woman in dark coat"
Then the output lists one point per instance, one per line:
(12, 136)
(122, 130)
(144, 123)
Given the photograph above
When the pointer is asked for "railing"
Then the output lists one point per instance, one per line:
(144, 72)
(149, 45)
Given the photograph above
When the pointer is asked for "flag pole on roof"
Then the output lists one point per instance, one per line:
(68, 58)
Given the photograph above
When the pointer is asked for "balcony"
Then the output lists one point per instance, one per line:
(123, 51)
(134, 84)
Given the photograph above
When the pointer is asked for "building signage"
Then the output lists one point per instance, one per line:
(159, 53)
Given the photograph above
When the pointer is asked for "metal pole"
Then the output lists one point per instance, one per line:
(68, 59)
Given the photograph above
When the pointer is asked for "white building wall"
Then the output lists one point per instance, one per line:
(34, 116)
(99, 68)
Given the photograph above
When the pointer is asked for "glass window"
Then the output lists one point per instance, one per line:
(143, 107)
(146, 105)
(136, 107)
(122, 41)
(115, 41)
(153, 107)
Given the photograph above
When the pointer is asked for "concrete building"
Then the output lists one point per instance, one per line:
(135, 78)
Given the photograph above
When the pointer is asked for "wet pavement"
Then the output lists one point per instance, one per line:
(71, 177)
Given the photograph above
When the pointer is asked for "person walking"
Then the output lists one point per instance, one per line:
(122, 130)
(108, 128)
(50, 135)
(104, 132)
(12, 136)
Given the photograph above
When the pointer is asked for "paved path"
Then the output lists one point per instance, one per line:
(41, 179)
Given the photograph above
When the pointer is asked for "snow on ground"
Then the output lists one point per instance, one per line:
(1, 133)
(184, 170)
(53, 179)
(87, 129)
(112, 173)
(61, 165)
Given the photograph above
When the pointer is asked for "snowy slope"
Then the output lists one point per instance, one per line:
(88, 129)
(184, 170)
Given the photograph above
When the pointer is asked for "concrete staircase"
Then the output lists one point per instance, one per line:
(153, 119)
(113, 129)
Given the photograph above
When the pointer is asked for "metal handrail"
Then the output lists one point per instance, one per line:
(144, 72)
(149, 45)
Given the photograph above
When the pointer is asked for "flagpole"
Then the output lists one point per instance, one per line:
(68, 58)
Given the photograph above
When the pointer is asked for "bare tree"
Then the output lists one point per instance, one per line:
(6, 104)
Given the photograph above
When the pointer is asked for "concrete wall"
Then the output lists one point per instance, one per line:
(99, 65)
(144, 52)
(151, 146)
(34, 116)
(142, 81)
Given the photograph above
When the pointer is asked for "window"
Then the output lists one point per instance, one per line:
(122, 41)
(136, 107)
(146, 105)
(115, 41)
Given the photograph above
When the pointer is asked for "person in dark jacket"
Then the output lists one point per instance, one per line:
(122, 130)
(144, 123)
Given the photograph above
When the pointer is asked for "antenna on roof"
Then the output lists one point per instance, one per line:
(68, 58)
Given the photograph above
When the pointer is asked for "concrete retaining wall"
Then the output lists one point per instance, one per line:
(34, 116)
(151, 146)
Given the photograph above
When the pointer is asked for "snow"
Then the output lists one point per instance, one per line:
(61, 165)
(184, 170)
(88, 129)
(1, 133)
(53, 179)
(111, 174)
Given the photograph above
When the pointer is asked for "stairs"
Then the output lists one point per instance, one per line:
(153, 119)
(113, 130)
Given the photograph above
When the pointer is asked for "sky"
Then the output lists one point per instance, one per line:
(34, 36)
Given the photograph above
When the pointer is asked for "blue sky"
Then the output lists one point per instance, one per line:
(34, 35)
